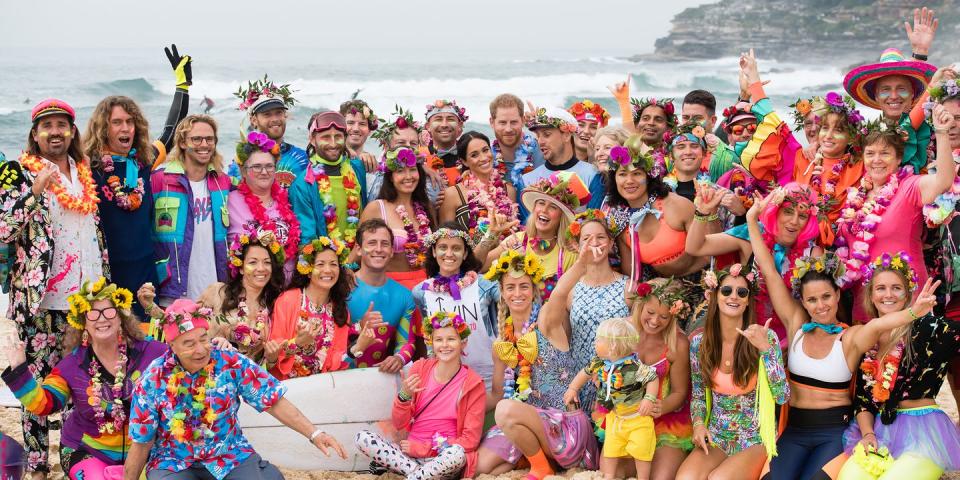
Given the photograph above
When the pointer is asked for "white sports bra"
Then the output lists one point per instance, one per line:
(828, 372)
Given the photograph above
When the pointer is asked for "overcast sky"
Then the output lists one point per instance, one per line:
(614, 26)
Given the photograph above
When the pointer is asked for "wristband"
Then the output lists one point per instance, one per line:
(650, 396)
(922, 58)
(403, 396)
(706, 218)
(316, 433)
(913, 316)
(865, 435)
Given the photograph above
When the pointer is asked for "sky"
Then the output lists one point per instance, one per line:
(377, 24)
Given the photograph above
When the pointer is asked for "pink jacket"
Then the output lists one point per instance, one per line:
(470, 414)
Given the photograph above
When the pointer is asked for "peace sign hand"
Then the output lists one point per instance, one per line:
(761, 202)
(926, 299)
(756, 334)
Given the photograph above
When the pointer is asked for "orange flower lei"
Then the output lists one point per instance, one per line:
(86, 203)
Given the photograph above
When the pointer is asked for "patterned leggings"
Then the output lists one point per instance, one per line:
(43, 336)
(445, 466)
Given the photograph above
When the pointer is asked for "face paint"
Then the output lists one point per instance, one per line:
(43, 134)
(840, 135)
(67, 134)
(248, 269)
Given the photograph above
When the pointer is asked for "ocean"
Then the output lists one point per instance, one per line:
(385, 77)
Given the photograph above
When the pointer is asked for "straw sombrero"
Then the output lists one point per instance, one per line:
(861, 82)
(563, 189)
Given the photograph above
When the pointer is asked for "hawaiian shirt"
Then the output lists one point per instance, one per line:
(236, 377)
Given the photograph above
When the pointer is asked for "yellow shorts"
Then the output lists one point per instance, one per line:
(629, 437)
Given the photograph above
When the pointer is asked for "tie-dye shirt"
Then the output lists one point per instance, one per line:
(236, 377)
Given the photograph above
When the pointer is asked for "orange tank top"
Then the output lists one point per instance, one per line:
(667, 245)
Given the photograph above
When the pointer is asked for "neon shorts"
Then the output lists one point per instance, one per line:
(629, 437)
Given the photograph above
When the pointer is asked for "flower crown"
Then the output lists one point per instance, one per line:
(801, 108)
(675, 300)
(560, 190)
(711, 279)
(946, 90)
(442, 320)
(589, 215)
(595, 109)
(355, 106)
(884, 126)
(631, 154)
(514, 263)
(829, 264)
(399, 158)
(799, 198)
(692, 131)
(264, 87)
(404, 119)
(665, 103)
(541, 119)
(440, 105)
(264, 238)
(898, 262)
(186, 321)
(309, 252)
(256, 141)
(844, 106)
(90, 292)
(733, 111)
(444, 232)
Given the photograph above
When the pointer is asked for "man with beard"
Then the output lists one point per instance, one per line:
(360, 122)
(190, 214)
(445, 124)
(49, 217)
(329, 196)
(590, 117)
(515, 152)
(267, 105)
(121, 155)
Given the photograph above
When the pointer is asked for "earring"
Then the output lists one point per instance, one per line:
(85, 339)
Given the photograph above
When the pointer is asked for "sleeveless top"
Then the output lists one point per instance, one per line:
(830, 372)
(667, 245)
(550, 375)
(399, 234)
(592, 305)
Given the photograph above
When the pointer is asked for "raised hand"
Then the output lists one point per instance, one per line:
(145, 295)
(16, 351)
(923, 30)
(181, 66)
(410, 384)
(761, 202)
(621, 90)
(732, 202)
(756, 334)
(500, 224)
(42, 179)
(707, 199)
(748, 65)
(942, 119)
(926, 299)
(944, 73)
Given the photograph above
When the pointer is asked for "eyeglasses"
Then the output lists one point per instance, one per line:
(201, 140)
(95, 314)
(738, 129)
(727, 290)
(262, 168)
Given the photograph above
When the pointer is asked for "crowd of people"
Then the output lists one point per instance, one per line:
(669, 298)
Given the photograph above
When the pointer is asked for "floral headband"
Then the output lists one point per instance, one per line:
(446, 106)
(182, 316)
(829, 264)
(90, 292)
(883, 126)
(587, 110)
(404, 119)
(309, 252)
(679, 307)
(630, 156)
(844, 106)
(590, 215)
(691, 131)
(542, 120)
(444, 232)
(946, 90)
(800, 199)
(898, 262)
(801, 108)
(356, 106)
(639, 105)
(711, 279)
(516, 264)
(264, 238)
(443, 320)
(256, 141)
(398, 158)
(264, 88)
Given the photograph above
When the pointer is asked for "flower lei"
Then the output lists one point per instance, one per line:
(483, 198)
(443, 319)
(85, 203)
(413, 249)
(522, 156)
(665, 103)
(516, 381)
(830, 187)
(196, 422)
(248, 336)
(282, 200)
(880, 375)
(128, 200)
(308, 361)
(588, 107)
(436, 286)
(113, 408)
(861, 217)
(829, 264)
(325, 189)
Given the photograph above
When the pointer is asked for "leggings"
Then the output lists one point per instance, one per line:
(812, 438)
(445, 466)
(43, 336)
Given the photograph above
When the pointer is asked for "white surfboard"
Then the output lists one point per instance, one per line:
(341, 403)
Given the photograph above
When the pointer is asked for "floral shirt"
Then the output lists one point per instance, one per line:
(620, 384)
(236, 377)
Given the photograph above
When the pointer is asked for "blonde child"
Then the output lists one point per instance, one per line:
(627, 388)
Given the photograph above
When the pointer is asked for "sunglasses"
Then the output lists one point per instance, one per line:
(94, 314)
(727, 290)
(738, 129)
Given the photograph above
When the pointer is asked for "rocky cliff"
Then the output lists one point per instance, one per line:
(838, 31)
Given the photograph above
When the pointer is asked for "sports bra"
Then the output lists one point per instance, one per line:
(399, 234)
(723, 384)
(667, 245)
(830, 372)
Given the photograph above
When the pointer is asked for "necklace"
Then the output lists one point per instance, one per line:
(310, 360)
(483, 198)
(291, 239)
(246, 336)
(861, 216)
(413, 249)
(109, 413)
(85, 203)
(516, 380)
(880, 375)
(521, 159)
(195, 423)
(128, 194)
(352, 192)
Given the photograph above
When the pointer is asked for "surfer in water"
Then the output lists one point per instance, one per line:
(207, 104)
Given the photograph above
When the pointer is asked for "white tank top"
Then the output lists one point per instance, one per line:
(830, 369)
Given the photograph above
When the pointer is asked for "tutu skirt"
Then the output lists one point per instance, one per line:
(923, 431)
(570, 435)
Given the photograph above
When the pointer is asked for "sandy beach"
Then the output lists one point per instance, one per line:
(10, 425)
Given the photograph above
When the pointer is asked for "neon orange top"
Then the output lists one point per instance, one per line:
(849, 177)
(667, 245)
(723, 384)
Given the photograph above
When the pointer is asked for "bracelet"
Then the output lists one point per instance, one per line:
(921, 57)
(403, 396)
(698, 422)
(650, 396)
(316, 433)
(865, 434)
(913, 316)
(706, 218)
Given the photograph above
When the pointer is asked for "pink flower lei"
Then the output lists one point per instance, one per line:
(246, 336)
(413, 249)
(117, 415)
(280, 198)
(483, 198)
